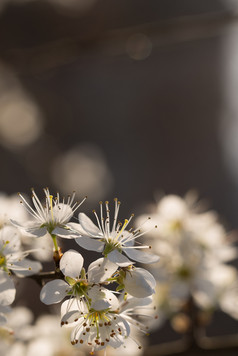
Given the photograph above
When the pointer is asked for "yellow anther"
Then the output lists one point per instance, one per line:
(51, 206)
(122, 229)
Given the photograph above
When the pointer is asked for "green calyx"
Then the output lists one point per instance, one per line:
(110, 245)
(79, 287)
(120, 280)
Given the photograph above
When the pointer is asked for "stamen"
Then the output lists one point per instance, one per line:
(51, 206)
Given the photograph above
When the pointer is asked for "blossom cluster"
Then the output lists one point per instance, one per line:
(196, 254)
(103, 305)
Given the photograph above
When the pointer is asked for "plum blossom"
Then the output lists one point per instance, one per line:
(99, 328)
(52, 218)
(112, 241)
(94, 328)
(77, 283)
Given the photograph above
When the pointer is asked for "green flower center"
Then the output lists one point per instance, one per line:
(111, 245)
(79, 287)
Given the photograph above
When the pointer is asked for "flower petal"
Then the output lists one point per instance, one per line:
(102, 298)
(64, 233)
(139, 283)
(33, 229)
(88, 225)
(77, 228)
(119, 259)
(100, 270)
(141, 256)
(25, 267)
(7, 289)
(62, 212)
(71, 264)
(90, 244)
(54, 291)
(133, 303)
(10, 239)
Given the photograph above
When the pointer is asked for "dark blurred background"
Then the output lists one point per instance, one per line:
(121, 98)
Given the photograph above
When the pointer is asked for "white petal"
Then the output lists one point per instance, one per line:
(139, 283)
(10, 235)
(112, 299)
(119, 259)
(70, 317)
(7, 289)
(71, 264)
(62, 212)
(100, 270)
(88, 225)
(77, 228)
(90, 244)
(26, 267)
(32, 229)
(100, 304)
(64, 233)
(72, 309)
(141, 256)
(54, 291)
(133, 303)
(37, 231)
(102, 298)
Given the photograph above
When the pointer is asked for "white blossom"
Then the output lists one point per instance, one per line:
(112, 241)
(76, 283)
(194, 248)
(53, 217)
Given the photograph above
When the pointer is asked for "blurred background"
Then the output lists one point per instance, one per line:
(123, 99)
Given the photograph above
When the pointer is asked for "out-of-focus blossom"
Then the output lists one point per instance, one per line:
(13, 340)
(83, 168)
(194, 247)
(7, 289)
(10, 208)
(20, 120)
(49, 339)
(11, 256)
